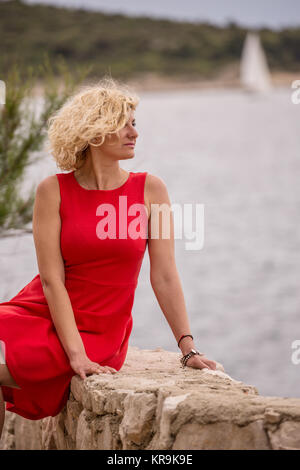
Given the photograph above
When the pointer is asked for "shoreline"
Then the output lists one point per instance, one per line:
(228, 79)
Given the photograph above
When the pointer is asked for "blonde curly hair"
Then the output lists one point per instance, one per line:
(95, 111)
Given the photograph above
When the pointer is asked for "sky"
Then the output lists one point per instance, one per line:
(275, 14)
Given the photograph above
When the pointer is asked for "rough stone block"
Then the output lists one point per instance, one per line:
(286, 437)
(222, 436)
(137, 422)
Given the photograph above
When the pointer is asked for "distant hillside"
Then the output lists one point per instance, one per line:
(127, 46)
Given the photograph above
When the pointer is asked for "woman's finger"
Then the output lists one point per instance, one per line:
(111, 369)
(194, 360)
(82, 375)
(108, 369)
(90, 369)
(211, 364)
(98, 368)
(102, 370)
(94, 367)
(208, 363)
(207, 366)
(203, 364)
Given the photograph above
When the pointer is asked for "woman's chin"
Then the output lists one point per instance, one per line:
(126, 157)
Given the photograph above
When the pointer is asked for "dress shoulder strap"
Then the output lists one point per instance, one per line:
(138, 185)
(65, 187)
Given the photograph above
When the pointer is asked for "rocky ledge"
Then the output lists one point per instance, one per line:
(151, 403)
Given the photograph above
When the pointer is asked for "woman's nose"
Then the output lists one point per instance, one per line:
(133, 132)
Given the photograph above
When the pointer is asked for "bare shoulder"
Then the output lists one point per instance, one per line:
(154, 182)
(48, 190)
(155, 189)
(155, 192)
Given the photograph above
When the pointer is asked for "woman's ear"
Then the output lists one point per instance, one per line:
(96, 140)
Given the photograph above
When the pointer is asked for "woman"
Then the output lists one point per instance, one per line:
(74, 317)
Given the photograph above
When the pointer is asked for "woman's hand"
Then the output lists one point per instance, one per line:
(83, 366)
(201, 362)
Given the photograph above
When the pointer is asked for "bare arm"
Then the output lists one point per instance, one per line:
(164, 276)
(46, 224)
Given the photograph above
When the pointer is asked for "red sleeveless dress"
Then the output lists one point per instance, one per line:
(103, 239)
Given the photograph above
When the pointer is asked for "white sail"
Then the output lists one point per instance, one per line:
(254, 70)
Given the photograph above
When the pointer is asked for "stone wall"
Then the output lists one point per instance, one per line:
(151, 403)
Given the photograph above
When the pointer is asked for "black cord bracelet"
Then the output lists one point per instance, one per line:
(183, 336)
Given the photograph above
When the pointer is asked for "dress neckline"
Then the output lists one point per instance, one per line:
(101, 190)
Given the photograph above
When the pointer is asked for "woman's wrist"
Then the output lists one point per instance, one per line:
(74, 353)
(186, 344)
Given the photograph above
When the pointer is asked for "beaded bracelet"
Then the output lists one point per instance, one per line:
(183, 336)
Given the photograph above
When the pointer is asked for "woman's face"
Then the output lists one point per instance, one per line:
(118, 149)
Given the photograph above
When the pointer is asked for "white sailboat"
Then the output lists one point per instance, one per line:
(254, 71)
